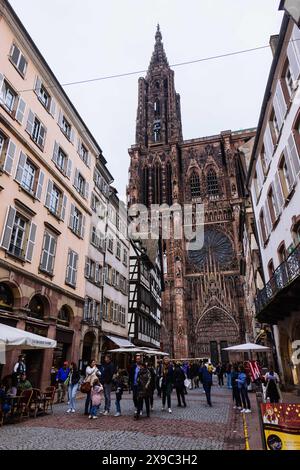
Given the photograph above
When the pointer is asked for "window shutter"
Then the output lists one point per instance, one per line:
(294, 156)
(86, 190)
(293, 61)
(52, 250)
(20, 169)
(30, 122)
(267, 219)
(63, 207)
(87, 272)
(74, 272)
(83, 226)
(31, 242)
(52, 107)
(69, 168)
(289, 168)
(20, 110)
(76, 178)
(89, 160)
(279, 192)
(39, 188)
(44, 258)
(49, 192)
(268, 144)
(55, 153)
(260, 174)
(71, 222)
(41, 137)
(79, 146)
(86, 308)
(72, 135)
(9, 159)
(97, 273)
(60, 118)
(37, 86)
(8, 227)
(69, 265)
(276, 202)
(279, 104)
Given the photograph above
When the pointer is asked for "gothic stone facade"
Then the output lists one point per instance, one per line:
(202, 302)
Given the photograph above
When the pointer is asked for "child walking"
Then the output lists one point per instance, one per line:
(118, 381)
(96, 395)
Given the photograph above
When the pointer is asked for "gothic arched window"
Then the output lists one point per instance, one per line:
(145, 186)
(156, 184)
(195, 184)
(212, 183)
(157, 108)
(169, 198)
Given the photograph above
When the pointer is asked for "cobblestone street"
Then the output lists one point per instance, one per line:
(196, 427)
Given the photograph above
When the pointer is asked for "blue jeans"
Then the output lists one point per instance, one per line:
(72, 395)
(118, 406)
(94, 410)
(207, 389)
(107, 392)
(229, 380)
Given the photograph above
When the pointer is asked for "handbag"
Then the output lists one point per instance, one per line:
(85, 387)
(188, 383)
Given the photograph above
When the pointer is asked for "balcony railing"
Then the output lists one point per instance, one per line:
(286, 272)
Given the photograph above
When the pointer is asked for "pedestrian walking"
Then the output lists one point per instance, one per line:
(206, 375)
(272, 386)
(152, 384)
(143, 384)
(243, 388)
(91, 374)
(96, 395)
(61, 378)
(167, 382)
(158, 375)
(72, 382)
(133, 377)
(236, 396)
(108, 371)
(220, 374)
(118, 382)
(228, 374)
(179, 378)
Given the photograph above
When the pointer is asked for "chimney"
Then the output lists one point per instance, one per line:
(273, 43)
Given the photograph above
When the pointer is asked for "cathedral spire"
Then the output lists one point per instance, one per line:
(159, 56)
(158, 35)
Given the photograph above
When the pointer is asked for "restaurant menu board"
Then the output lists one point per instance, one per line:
(281, 425)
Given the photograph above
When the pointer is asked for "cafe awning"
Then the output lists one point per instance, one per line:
(121, 342)
(13, 338)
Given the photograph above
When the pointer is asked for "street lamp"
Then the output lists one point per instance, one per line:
(292, 8)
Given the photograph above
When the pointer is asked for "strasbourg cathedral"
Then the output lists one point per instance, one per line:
(203, 299)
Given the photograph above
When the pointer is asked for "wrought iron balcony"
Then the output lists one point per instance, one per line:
(285, 275)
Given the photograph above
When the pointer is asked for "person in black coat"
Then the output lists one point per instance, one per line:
(152, 383)
(167, 383)
(133, 379)
(179, 378)
(108, 371)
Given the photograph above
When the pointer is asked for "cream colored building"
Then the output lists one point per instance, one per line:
(47, 162)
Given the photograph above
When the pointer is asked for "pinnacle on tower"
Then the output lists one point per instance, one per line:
(158, 35)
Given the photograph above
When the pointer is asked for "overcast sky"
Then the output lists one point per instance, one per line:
(83, 39)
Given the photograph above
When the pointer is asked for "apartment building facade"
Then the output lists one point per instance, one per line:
(275, 188)
(145, 289)
(48, 159)
(115, 300)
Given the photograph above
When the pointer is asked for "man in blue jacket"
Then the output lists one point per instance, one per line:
(206, 379)
(61, 377)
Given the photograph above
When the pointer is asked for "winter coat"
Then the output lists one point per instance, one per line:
(234, 377)
(242, 381)
(206, 376)
(153, 380)
(74, 377)
(144, 380)
(179, 377)
(119, 384)
(96, 395)
(167, 379)
(108, 371)
(62, 374)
